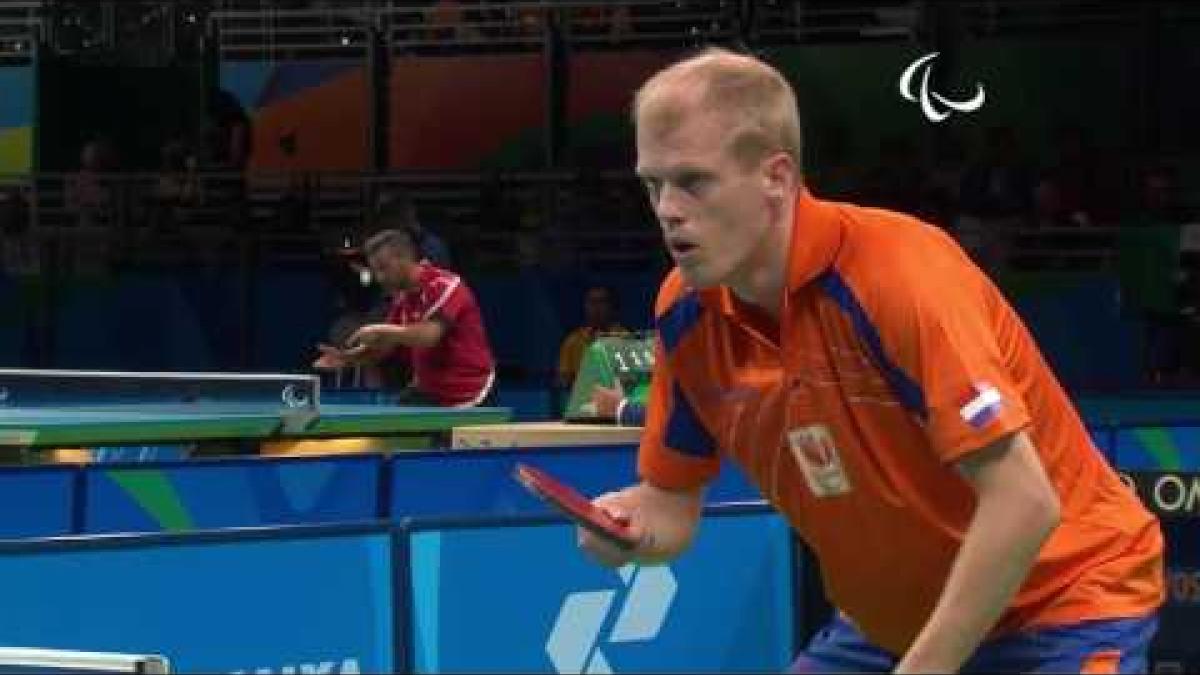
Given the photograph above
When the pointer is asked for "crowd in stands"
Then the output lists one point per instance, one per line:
(466, 22)
(1002, 190)
(1073, 206)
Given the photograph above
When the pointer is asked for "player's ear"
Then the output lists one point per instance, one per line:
(779, 175)
(779, 178)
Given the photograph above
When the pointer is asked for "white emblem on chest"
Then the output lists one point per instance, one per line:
(818, 457)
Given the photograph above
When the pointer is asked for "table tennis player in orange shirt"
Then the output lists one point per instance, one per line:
(886, 399)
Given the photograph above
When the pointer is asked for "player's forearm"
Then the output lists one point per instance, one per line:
(1000, 546)
(671, 519)
(420, 335)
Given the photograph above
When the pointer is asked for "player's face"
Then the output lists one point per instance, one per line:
(714, 209)
(597, 308)
(392, 267)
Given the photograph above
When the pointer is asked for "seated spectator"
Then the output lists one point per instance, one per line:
(528, 20)
(14, 212)
(228, 133)
(600, 307)
(178, 186)
(1149, 263)
(225, 146)
(433, 315)
(1080, 180)
(90, 192)
(1158, 197)
(1189, 313)
(446, 20)
(620, 24)
(1000, 183)
(178, 165)
(940, 198)
(592, 20)
(995, 197)
(897, 179)
(19, 252)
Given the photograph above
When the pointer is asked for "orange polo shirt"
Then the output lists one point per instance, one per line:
(895, 357)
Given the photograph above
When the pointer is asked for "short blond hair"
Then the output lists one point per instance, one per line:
(758, 102)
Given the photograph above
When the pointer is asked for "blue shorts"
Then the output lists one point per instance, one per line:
(1108, 646)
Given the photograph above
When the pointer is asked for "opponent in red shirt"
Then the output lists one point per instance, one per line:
(433, 317)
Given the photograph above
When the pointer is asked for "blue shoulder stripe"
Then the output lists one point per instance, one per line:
(679, 319)
(905, 388)
(685, 432)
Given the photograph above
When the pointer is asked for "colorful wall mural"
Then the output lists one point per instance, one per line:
(17, 104)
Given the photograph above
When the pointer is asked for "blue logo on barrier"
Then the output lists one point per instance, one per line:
(521, 597)
(576, 641)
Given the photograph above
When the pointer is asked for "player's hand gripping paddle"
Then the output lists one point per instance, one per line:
(576, 506)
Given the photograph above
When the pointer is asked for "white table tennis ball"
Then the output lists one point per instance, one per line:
(364, 276)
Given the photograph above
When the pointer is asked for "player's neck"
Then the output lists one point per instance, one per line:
(413, 278)
(762, 278)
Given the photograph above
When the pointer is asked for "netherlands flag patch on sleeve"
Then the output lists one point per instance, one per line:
(983, 407)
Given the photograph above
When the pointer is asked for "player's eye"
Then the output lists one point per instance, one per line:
(693, 183)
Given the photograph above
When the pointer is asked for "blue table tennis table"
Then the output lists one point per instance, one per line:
(40, 409)
(157, 423)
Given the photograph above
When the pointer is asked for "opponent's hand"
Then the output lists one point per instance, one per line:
(331, 358)
(370, 341)
(623, 507)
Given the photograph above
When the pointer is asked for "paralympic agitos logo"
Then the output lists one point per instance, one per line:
(935, 106)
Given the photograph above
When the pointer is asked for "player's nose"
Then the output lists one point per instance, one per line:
(667, 205)
(670, 223)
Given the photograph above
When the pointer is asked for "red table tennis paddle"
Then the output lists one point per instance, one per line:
(575, 506)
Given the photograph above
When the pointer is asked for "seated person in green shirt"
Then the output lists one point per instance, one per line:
(600, 306)
(1149, 267)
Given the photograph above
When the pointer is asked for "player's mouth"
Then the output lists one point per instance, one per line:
(681, 249)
